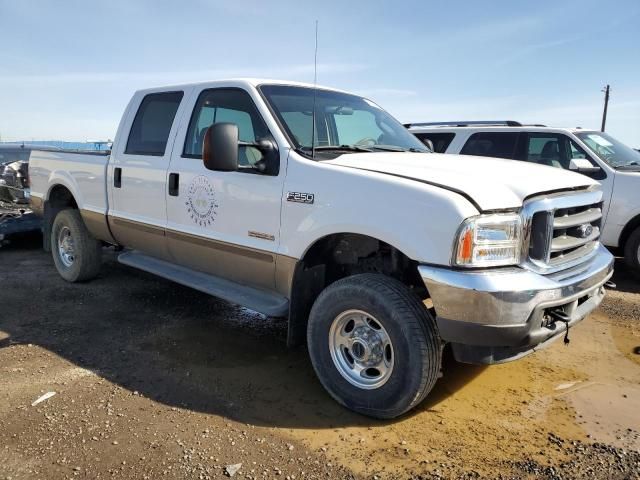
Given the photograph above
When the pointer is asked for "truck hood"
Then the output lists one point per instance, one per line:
(491, 183)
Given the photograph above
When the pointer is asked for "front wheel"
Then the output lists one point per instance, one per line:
(76, 253)
(632, 252)
(374, 345)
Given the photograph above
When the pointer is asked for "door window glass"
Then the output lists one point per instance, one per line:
(226, 105)
(440, 140)
(491, 144)
(150, 129)
(547, 149)
(554, 150)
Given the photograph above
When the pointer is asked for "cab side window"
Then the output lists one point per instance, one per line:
(440, 140)
(226, 105)
(555, 150)
(151, 127)
(547, 149)
(492, 144)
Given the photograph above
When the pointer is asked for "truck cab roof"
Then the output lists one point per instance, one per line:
(489, 126)
(241, 82)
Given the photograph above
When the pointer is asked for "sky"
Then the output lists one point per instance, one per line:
(68, 68)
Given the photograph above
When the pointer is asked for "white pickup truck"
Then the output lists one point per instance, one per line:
(316, 204)
(595, 154)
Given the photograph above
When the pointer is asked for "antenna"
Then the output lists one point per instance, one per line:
(606, 104)
(313, 110)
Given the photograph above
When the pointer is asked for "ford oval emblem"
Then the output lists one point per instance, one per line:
(585, 230)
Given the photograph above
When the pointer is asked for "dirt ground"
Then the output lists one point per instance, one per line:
(154, 380)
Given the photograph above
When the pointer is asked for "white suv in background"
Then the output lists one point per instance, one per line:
(596, 154)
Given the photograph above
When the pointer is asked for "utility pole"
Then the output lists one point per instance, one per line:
(606, 104)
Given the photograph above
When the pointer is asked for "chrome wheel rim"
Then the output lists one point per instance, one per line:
(361, 349)
(66, 250)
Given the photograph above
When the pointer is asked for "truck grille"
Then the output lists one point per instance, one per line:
(561, 233)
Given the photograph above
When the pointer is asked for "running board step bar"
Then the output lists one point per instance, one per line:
(252, 298)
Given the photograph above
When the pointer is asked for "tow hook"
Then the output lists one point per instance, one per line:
(610, 284)
(561, 316)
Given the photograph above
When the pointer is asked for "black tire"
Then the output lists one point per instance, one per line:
(632, 252)
(417, 349)
(87, 251)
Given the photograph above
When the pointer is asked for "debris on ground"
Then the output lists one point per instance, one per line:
(231, 470)
(42, 398)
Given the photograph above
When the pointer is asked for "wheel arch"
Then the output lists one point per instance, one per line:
(627, 230)
(59, 197)
(338, 255)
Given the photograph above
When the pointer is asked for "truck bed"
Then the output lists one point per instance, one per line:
(83, 173)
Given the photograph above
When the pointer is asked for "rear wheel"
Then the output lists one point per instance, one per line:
(632, 252)
(374, 345)
(76, 254)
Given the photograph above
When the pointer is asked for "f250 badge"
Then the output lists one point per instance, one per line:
(300, 197)
(201, 201)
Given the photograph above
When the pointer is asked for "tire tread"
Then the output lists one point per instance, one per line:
(90, 249)
(631, 249)
(418, 321)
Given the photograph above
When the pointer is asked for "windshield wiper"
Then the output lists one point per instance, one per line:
(362, 148)
(394, 148)
(388, 148)
(629, 166)
(348, 148)
(338, 148)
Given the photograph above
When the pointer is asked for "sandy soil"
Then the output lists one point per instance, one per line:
(154, 380)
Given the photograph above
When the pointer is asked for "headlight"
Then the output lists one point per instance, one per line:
(489, 241)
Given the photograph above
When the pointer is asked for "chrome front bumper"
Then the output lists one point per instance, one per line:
(498, 315)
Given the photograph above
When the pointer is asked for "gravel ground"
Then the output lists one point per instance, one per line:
(154, 380)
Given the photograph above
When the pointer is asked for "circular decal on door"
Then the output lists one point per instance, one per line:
(201, 201)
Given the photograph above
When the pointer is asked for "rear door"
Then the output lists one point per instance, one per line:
(224, 223)
(138, 172)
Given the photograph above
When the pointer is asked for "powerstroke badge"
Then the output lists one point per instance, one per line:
(300, 197)
(201, 201)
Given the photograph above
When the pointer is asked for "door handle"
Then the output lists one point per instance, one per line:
(174, 184)
(117, 177)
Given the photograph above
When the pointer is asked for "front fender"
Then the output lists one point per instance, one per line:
(418, 219)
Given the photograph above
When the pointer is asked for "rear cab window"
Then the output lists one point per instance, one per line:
(151, 126)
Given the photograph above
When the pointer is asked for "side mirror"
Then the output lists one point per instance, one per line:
(582, 165)
(220, 147)
(270, 155)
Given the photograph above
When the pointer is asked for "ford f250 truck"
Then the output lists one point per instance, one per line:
(317, 205)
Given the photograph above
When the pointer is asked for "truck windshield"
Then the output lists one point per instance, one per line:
(343, 122)
(610, 150)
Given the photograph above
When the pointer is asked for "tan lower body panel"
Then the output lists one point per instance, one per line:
(285, 268)
(239, 264)
(97, 225)
(249, 266)
(146, 238)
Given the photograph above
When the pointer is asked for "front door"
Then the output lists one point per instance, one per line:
(557, 150)
(138, 174)
(224, 223)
